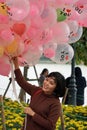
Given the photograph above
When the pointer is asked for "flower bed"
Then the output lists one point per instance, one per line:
(75, 117)
(14, 115)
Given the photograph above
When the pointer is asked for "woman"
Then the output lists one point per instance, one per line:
(44, 108)
(81, 84)
(43, 75)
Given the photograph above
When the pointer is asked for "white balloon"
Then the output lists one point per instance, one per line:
(64, 53)
(73, 25)
(51, 44)
(74, 37)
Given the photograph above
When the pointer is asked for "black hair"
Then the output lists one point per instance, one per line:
(60, 83)
(44, 70)
(78, 72)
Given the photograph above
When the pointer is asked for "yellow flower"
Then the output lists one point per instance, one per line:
(75, 117)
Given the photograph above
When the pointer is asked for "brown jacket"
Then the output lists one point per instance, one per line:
(46, 107)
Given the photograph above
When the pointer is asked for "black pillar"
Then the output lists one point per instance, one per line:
(72, 92)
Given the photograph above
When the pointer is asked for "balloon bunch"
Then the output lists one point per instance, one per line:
(30, 28)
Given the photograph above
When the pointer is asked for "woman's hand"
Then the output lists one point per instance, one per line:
(15, 62)
(29, 111)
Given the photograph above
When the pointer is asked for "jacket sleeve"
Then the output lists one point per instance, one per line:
(29, 88)
(49, 123)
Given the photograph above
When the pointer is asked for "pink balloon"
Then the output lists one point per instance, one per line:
(36, 23)
(34, 10)
(7, 35)
(49, 16)
(81, 10)
(3, 42)
(33, 55)
(38, 33)
(82, 2)
(4, 59)
(3, 19)
(83, 22)
(21, 48)
(61, 32)
(26, 42)
(58, 3)
(45, 36)
(4, 69)
(39, 3)
(33, 32)
(68, 1)
(52, 3)
(49, 49)
(18, 10)
(2, 1)
(22, 61)
(49, 52)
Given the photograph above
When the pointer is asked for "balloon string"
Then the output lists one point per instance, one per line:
(25, 122)
(13, 80)
(13, 84)
(15, 92)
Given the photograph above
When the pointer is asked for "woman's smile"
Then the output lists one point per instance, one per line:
(49, 85)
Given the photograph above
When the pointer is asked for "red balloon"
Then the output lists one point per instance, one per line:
(19, 28)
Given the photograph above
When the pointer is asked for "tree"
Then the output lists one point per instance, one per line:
(81, 49)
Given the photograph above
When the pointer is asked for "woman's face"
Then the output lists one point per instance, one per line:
(46, 73)
(49, 85)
